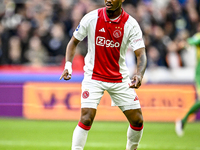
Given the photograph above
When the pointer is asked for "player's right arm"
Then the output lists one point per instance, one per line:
(70, 52)
(79, 34)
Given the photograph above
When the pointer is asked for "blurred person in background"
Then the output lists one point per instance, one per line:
(192, 16)
(24, 33)
(110, 31)
(76, 14)
(14, 51)
(1, 51)
(153, 57)
(9, 22)
(36, 54)
(159, 43)
(180, 124)
(56, 43)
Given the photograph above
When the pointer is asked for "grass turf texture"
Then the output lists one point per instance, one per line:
(20, 134)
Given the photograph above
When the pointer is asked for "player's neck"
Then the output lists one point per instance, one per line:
(114, 14)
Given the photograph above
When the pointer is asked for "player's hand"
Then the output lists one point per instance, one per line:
(135, 82)
(65, 75)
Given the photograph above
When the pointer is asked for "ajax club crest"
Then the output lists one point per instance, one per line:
(117, 33)
(85, 94)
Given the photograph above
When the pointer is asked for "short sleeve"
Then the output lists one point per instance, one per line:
(136, 39)
(81, 31)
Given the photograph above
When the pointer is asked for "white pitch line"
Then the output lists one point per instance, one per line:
(167, 147)
(36, 144)
(89, 144)
(141, 146)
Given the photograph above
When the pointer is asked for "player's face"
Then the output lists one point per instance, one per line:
(113, 5)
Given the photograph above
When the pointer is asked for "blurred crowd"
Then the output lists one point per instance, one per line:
(35, 32)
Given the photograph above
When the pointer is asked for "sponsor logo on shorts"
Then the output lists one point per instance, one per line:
(85, 94)
(102, 41)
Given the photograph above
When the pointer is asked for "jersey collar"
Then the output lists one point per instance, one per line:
(107, 19)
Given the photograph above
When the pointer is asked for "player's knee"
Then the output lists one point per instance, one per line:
(138, 122)
(87, 116)
(86, 120)
(135, 117)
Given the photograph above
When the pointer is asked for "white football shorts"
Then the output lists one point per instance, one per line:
(121, 95)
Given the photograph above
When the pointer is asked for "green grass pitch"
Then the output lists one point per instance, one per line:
(21, 134)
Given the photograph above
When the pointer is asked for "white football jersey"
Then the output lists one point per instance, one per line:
(108, 41)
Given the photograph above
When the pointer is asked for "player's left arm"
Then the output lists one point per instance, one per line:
(141, 66)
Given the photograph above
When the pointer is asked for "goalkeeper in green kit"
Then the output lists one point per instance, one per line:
(180, 124)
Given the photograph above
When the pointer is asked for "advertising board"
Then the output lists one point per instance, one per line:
(61, 101)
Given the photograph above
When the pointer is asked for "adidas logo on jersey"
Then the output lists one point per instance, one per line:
(102, 30)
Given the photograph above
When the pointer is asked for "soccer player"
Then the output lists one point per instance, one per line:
(180, 124)
(110, 31)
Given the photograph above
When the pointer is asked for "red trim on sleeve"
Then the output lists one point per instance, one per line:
(136, 128)
(80, 124)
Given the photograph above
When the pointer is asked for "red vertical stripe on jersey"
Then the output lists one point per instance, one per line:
(108, 40)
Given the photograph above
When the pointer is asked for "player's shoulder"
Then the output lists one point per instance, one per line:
(90, 16)
(132, 21)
